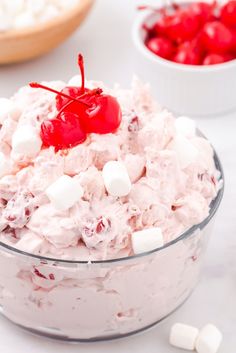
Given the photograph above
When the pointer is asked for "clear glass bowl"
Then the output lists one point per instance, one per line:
(81, 301)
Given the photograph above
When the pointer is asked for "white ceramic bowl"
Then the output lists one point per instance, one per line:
(184, 89)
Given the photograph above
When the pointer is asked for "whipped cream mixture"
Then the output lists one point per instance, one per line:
(171, 169)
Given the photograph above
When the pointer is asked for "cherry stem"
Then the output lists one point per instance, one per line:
(81, 66)
(95, 91)
(38, 85)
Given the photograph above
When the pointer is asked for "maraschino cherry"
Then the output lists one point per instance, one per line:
(80, 111)
(196, 33)
(228, 14)
(216, 37)
(63, 132)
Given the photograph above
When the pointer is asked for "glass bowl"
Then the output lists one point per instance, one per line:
(100, 300)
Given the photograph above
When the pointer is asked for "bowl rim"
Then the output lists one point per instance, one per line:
(137, 29)
(213, 207)
(62, 18)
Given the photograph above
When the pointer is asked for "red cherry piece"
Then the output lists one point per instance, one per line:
(161, 46)
(104, 115)
(188, 54)
(228, 14)
(212, 59)
(216, 37)
(63, 132)
(181, 26)
(73, 92)
(234, 41)
(203, 10)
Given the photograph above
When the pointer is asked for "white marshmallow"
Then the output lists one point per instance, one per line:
(24, 20)
(5, 167)
(209, 339)
(8, 109)
(49, 12)
(186, 151)
(5, 22)
(185, 126)
(30, 243)
(26, 141)
(64, 5)
(146, 240)
(183, 336)
(13, 6)
(75, 81)
(36, 7)
(116, 178)
(64, 192)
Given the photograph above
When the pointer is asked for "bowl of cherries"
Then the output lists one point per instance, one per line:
(187, 52)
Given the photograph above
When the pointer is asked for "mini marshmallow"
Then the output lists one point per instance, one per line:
(24, 20)
(185, 126)
(116, 178)
(75, 81)
(5, 22)
(8, 109)
(64, 192)
(186, 151)
(209, 339)
(5, 167)
(146, 240)
(26, 141)
(14, 6)
(36, 7)
(30, 242)
(49, 12)
(183, 336)
(64, 5)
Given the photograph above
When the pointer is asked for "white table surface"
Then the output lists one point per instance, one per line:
(106, 44)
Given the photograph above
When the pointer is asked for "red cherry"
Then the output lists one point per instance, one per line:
(216, 37)
(104, 114)
(188, 53)
(90, 112)
(234, 41)
(74, 92)
(63, 132)
(212, 59)
(228, 14)
(181, 26)
(161, 46)
(203, 10)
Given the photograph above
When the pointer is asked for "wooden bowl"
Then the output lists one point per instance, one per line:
(28, 43)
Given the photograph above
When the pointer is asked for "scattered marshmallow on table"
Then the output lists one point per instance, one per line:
(147, 240)
(64, 192)
(26, 141)
(209, 339)
(116, 179)
(185, 126)
(4, 165)
(183, 336)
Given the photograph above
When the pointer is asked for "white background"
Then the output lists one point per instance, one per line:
(106, 44)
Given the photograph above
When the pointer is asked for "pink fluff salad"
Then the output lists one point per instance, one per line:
(168, 190)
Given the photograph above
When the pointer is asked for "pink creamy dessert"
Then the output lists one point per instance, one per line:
(77, 273)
